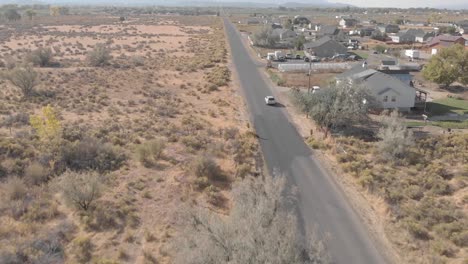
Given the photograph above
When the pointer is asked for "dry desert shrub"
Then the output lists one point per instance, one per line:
(150, 151)
(99, 56)
(23, 77)
(80, 190)
(261, 213)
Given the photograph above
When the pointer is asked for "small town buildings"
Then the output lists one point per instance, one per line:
(390, 91)
(348, 22)
(324, 48)
(284, 34)
(388, 28)
(444, 41)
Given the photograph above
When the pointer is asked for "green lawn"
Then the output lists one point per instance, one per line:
(451, 124)
(443, 124)
(361, 54)
(447, 105)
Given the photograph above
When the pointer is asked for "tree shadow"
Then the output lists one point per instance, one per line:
(441, 109)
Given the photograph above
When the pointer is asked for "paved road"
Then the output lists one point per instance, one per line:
(321, 202)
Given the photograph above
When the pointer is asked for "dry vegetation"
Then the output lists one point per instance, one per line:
(119, 125)
(418, 184)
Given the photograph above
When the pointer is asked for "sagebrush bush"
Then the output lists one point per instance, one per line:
(41, 57)
(80, 189)
(91, 154)
(82, 248)
(15, 188)
(151, 151)
(24, 77)
(204, 166)
(99, 56)
(36, 174)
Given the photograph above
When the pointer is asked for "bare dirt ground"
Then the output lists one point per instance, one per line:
(163, 82)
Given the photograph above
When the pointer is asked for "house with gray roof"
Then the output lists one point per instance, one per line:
(407, 36)
(284, 34)
(388, 28)
(324, 48)
(390, 91)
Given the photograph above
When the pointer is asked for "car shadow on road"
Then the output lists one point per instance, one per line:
(278, 105)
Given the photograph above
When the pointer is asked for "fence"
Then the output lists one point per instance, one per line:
(304, 67)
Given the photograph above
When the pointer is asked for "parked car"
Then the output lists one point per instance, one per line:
(289, 56)
(315, 89)
(270, 100)
(306, 59)
(314, 59)
(281, 59)
(339, 57)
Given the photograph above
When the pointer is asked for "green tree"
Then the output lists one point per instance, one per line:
(12, 15)
(30, 14)
(288, 24)
(399, 21)
(447, 66)
(380, 48)
(299, 42)
(265, 38)
(337, 107)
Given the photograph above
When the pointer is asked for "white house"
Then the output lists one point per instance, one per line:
(391, 92)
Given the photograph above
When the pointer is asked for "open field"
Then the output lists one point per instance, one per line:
(159, 121)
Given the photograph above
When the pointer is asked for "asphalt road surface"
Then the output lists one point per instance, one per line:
(321, 202)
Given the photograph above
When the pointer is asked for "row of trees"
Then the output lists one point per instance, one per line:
(449, 65)
(343, 106)
(339, 106)
(12, 13)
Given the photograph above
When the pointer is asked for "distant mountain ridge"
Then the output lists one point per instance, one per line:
(243, 3)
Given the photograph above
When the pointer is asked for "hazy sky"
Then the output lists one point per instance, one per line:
(402, 3)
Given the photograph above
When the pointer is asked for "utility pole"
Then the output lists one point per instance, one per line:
(310, 71)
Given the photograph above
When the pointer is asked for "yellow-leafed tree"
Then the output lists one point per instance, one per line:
(48, 128)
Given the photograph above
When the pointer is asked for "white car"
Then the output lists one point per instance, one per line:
(270, 100)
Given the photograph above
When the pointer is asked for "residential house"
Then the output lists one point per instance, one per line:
(276, 25)
(251, 21)
(416, 23)
(391, 92)
(348, 22)
(284, 34)
(388, 28)
(324, 48)
(423, 38)
(326, 30)
(444, 41)
(406, 36)
(367, 31)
